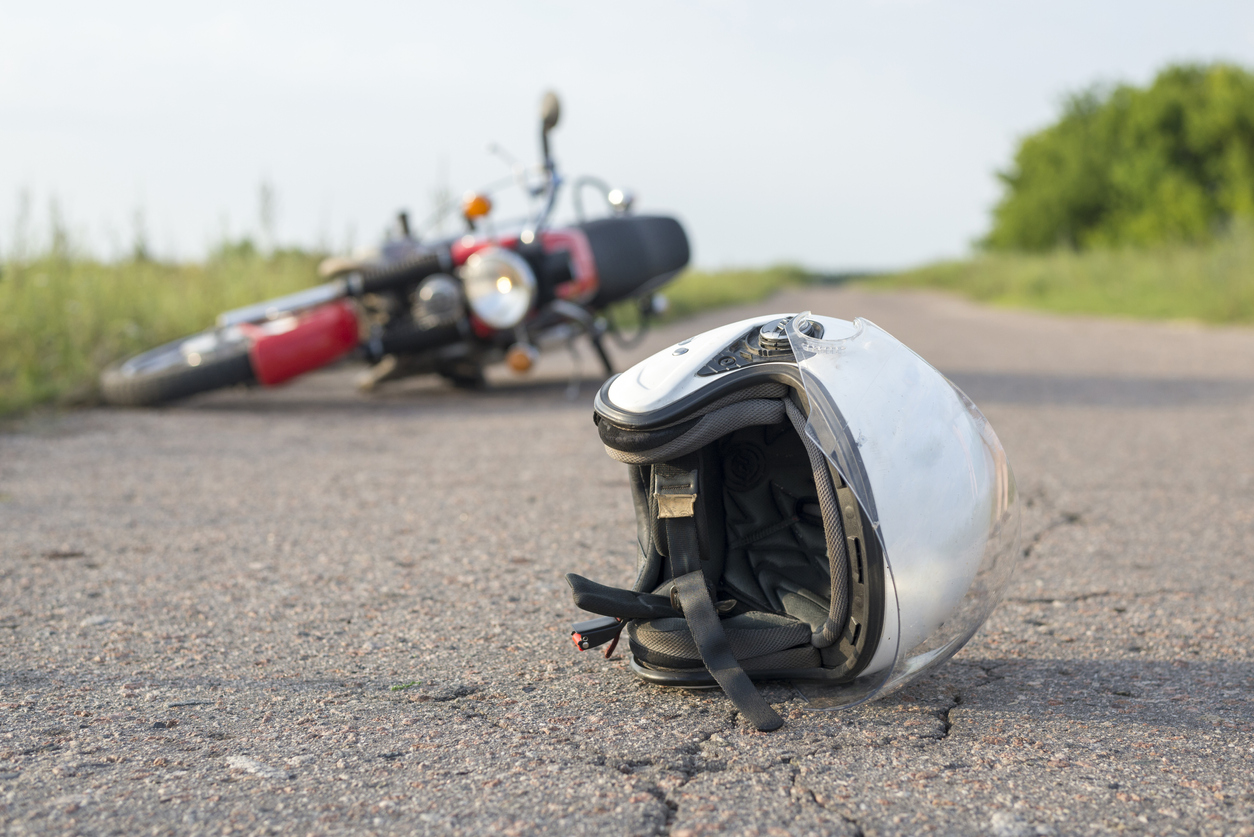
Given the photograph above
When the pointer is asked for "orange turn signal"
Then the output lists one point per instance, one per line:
(475, 205)
(521, 357)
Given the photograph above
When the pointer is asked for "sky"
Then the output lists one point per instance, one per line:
(837, 135)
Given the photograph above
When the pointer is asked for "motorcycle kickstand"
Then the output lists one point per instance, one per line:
(576, 372)
(595, 338)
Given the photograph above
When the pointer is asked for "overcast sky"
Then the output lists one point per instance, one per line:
(834, 134)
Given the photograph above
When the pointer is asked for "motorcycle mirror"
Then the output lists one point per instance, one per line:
(550, 110)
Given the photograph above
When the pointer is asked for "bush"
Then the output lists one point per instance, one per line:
(1128, 166)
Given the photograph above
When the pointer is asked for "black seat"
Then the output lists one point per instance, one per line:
(635, 254)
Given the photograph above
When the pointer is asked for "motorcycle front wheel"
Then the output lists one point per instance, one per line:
(202, 362)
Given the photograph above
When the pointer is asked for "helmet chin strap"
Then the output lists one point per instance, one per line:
(675, 490)
(707, 632)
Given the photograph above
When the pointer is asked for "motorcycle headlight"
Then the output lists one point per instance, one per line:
(499, 286)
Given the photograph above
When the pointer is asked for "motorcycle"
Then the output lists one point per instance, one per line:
(450, 307)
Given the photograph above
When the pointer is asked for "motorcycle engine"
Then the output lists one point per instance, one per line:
(438, 302)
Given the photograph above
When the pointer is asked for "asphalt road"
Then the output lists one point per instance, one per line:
(308, 611)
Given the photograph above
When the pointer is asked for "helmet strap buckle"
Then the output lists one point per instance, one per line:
(676, 492)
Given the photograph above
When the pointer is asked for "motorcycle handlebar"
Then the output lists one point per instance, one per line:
(412, 270)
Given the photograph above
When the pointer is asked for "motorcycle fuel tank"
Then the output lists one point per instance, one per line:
(285, 348)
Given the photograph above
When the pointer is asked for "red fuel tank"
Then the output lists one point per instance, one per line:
(290, 346)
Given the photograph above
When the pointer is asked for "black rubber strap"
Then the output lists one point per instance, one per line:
(711, 640)
(682, 544)
(614, 601)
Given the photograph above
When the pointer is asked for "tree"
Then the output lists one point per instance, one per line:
(1123, 165)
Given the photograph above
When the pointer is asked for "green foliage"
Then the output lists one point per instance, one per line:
(64, 319)
(1173, 162)
(1212, 282)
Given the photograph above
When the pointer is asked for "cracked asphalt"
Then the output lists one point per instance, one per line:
(309, 611)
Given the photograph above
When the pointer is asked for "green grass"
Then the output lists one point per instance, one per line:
(1213, 282)
(63, 320)
(702, 290)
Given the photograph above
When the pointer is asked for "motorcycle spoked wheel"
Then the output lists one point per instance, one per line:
(176, 370)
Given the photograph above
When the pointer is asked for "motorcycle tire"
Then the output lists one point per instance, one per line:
(170, 372)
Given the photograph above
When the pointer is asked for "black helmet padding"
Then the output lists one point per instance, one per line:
(742, 553)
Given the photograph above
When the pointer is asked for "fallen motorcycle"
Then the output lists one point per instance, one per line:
(451, 307)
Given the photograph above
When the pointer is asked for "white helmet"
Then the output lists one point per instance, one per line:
(814, 502)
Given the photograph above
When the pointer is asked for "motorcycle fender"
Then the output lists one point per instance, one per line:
(285, 348)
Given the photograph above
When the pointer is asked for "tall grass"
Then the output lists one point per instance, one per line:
(699, 290)
(64, 319)
(702, 290)
(1212, 282)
